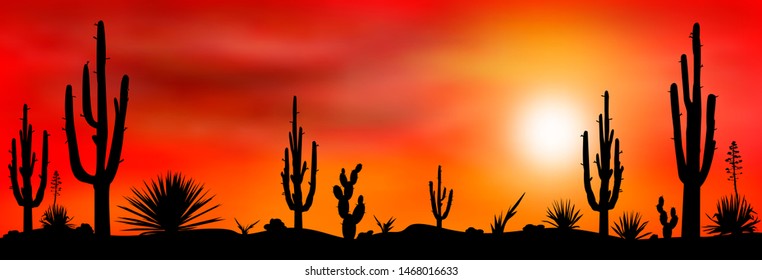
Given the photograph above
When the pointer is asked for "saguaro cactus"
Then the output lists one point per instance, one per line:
(349, 225)
(438, 198)
(294, 197)
(607, 198)
(667, 226)
(692, 166)
(105, 167)
(23, 193)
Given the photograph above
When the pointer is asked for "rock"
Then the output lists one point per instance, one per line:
(472, 230)
(275, 225)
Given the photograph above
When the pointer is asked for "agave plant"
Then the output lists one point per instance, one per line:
(169, 204)
(385, 227)
(245, 229)
(563, 215)
(630, 227)
(498, 225)
(55, 217)
(734, 216)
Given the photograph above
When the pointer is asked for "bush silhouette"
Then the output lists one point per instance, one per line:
(56, 218)
(387, 226)
(170, 204)
(499, 223)
(563, 215)
(630, 227)
(734, 216)
(245, 229)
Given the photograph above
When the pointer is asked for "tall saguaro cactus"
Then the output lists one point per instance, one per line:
(692, 165)
(105, 167)
(438, 198)
(607, 198)
(349, 225)
(294, 197)
(23, 193)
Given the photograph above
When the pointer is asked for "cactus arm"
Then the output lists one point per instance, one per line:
(677, 133)
(13, 167)
(662, 213)
(618, 170)
(313, 178)
(117, 140)
(43, 172)
(87, 110)
(673, 220)
(684, 79)
(359, 211)
(71, 138)
(710, 144)
(449, 203)
(284, 176)
(433, 200)
(586, 174)
(696, 44)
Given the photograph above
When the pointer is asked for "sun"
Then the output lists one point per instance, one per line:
(549, 132)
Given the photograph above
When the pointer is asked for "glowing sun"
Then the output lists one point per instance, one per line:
(549, 132)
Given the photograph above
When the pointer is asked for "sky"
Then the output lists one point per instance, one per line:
(496, 92)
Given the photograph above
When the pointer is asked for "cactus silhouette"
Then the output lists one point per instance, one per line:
(349, 225)
(438, 198)
(667, 226)
(23, 192)
(106, 162)
(294, 198)
(607, 198)
(692, 166)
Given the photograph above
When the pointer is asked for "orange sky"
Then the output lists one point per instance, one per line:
(399, 86)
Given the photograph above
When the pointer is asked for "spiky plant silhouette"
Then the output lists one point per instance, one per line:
(734, 216)
(607, 198)
(563, 216)
(169, 204)
(499, 222)
(387, 226)
(245, 229)
(630, 227)
(23, 192)
(56, 218)
(692, 166)
(106, 161)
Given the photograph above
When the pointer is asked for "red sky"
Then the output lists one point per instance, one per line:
(399, 86)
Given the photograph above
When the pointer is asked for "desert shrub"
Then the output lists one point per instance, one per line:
(563, 215)
(630, 227)
(734, 216)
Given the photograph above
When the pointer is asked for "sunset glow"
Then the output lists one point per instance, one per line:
(497, 92)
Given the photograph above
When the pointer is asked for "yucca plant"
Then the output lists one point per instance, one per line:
(563, 215)
(56, 218)
(169, 204)
(630, 227)
(734, 216)
(245, 229)
(387, 226)
(498, 225)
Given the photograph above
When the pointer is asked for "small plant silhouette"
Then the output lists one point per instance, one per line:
(667, 226)
(245, 229)
(387, 226)
(296, 176)
(350, 221)
(55, 186)
(734, 159)
(170, 204)
(23, 192)
(499, 223)
(438, 198)
(734, 216)
(630, 227)
(607, 198)
(56, 218)
(563, 216)
(692, 166)
(106, 161)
